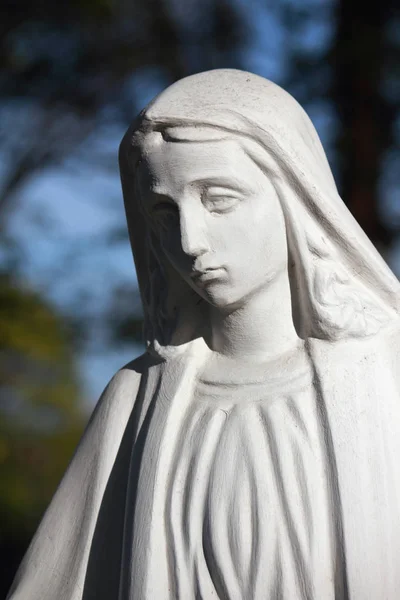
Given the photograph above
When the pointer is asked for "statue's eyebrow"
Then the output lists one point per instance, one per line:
(230, 183)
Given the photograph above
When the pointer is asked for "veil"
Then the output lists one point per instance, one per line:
(344, 287)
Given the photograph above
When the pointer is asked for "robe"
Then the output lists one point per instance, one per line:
(246, 506)
(104, 534)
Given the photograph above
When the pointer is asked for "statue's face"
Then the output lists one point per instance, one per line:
(217, 216)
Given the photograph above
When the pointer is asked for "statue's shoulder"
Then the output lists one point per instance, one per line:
(392, 342)
(122, 386)
(125, 384)
(384, 344)
(388, 338)
(139, 365)
(134, 369)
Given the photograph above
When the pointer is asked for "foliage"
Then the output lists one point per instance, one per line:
(67, 68)
(41, 418)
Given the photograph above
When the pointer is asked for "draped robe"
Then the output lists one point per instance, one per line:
(106, 523)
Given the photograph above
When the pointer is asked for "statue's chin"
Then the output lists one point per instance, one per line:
(222, 299)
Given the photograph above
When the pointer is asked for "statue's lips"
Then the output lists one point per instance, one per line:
(206, 275)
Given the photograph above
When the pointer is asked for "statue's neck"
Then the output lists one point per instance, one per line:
(261, 329)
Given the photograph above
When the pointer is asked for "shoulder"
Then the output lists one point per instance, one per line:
(125, 384)
(130, 374)
(121, 391)
(384, 347)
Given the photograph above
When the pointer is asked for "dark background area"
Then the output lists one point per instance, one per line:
(72, 76)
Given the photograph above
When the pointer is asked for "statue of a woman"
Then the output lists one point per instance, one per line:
(253, 452)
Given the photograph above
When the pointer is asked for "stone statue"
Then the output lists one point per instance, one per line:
(253, 452)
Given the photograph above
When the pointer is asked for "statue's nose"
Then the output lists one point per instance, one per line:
(193, 235)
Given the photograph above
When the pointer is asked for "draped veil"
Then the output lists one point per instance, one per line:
(345, 289)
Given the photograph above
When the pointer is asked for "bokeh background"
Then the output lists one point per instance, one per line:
(73, 74)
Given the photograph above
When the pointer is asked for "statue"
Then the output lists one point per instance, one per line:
(253, 451)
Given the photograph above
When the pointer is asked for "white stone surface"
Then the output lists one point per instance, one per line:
(253, 452)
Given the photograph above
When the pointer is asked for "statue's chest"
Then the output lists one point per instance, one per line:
(246, 506)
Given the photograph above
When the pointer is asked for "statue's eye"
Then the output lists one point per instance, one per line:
(220, 202)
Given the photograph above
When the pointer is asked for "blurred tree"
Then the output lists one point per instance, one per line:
(365, 59)
(66, 67)
(41, 418)
(349, 69)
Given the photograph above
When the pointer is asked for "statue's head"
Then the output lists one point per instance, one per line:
(215, 213)
(226, 186)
